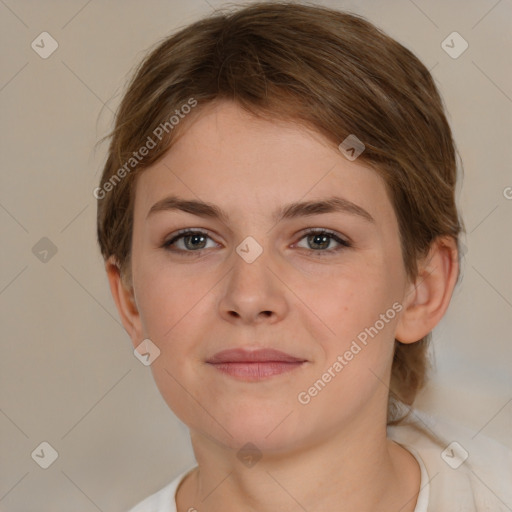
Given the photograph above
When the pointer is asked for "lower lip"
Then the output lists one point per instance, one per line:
(256, 371)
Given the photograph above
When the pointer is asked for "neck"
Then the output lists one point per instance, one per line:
(360, 470)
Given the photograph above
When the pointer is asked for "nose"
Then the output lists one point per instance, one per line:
(253, 292)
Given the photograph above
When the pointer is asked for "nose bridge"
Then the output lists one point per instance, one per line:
(252, 287)
(250, 266)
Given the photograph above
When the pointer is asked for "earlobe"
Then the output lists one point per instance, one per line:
(429, 296)
(125, 300)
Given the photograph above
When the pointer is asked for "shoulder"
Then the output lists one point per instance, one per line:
(163, 500)
(467, 470)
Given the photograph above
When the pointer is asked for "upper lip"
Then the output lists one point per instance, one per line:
(239, 355)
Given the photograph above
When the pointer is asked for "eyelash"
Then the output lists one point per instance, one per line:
(344, 244)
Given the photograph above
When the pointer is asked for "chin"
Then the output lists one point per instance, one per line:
(262, 427)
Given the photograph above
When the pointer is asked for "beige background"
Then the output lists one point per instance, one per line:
(67, 372)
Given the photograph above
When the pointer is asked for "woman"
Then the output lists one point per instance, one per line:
(278, 222)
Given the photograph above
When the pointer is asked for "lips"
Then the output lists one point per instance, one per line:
(254, 365)
(265, 355)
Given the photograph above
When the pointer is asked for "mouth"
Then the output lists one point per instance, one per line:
(254, 365)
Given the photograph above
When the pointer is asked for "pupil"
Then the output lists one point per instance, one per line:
(319, 240)
(195, 239)
(323, 239)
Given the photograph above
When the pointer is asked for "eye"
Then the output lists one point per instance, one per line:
(192, 241)
(319, 241)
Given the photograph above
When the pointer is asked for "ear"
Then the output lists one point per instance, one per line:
(124, 298)
(428, 297)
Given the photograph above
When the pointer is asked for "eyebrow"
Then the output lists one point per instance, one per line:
(290, 211)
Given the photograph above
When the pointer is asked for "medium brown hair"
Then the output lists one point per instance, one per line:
(331, 71)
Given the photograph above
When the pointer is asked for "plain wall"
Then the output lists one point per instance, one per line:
(68, 375)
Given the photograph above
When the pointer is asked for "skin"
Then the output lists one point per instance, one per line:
(332, 453)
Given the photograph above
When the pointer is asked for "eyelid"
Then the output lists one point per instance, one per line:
(186, 231)
(335, 234)
(342, 241)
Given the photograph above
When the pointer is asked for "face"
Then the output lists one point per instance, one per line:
(322, 285)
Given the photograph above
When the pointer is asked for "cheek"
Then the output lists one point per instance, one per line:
(167, 295)
(362, 309)
(356, 360)
(355, 299)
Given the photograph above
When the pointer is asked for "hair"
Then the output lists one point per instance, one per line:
(331, 71)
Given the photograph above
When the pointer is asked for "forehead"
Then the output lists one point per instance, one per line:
(229, 157)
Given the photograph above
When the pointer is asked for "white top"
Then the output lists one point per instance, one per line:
(460, 471)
